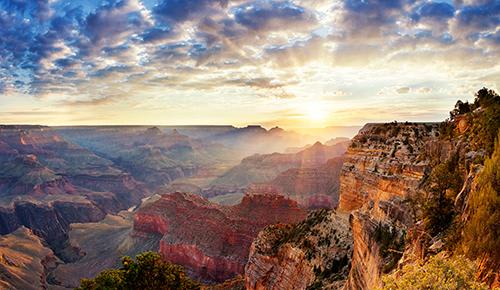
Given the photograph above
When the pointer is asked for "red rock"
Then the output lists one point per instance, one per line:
(210, 240)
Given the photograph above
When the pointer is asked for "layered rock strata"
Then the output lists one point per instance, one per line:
(210, 240)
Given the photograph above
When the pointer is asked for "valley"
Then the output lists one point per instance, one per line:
(347, 214)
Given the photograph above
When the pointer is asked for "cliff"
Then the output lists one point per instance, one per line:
(384, 161)
(47, 183)
(384, 166)
(50, 221)
(24, 261)
(151, 155)
(101, 244)
(210, 240)
(314, 253)
(263, 168)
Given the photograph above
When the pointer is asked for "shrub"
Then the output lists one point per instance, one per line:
(484, 208)
(445, 182)
(391, 244)
(485, 128)
(438, 272)
(147, 272)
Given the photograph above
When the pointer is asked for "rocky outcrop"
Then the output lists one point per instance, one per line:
(24, 261)
(47, 183)
(210, 240)
(378, 246)
(126, 190)
(314, 253)
(383, 161)
(384, 165)
(152, 156)
(102, 245)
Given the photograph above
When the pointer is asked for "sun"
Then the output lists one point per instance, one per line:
(315, 113)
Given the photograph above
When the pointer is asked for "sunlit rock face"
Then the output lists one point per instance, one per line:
(210, 240)
(25, 261)
(384, 161)
(384, 164)
(314, 253)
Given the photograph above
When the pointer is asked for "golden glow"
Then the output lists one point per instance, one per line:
(316, 113)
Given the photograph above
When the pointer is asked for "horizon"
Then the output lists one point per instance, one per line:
(286, 63)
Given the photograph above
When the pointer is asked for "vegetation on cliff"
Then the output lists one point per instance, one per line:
(472, 130)
(325, 240)
(484, 209)
(148, 271)
(460, 202)
(439, 272)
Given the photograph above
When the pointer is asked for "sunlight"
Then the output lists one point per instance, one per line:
(316, 113)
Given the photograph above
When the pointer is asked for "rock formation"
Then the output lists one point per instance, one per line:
(383, 161)
(263, 168)
(47, 183)
(382, 167)
(24, 261)
(101, 244)
(210, 240)
(314, 253)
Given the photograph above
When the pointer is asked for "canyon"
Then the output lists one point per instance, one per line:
(340, 215)
(210, 240)
(388, 173)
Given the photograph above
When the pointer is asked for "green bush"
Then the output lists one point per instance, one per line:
(438, 272)
(445, 182)
(147, 272)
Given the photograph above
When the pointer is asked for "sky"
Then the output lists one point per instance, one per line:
(294, 64)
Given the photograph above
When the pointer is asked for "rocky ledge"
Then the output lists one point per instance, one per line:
(314, 253)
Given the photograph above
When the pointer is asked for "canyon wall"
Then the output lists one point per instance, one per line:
(25, 261)
(384, 165)
(210, 240)
(47, 183)
(314, 253)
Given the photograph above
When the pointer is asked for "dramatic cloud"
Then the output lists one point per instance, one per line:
(435, 10)
(272, 15)
(251, 54)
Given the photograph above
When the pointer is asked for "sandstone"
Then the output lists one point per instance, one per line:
(313, 253)
(210, 240)
(383, 161)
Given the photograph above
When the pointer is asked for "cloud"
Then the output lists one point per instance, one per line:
(91, 102)
(482, 16)
(371, 19)
(435, 10)
(261, 82)
(273, 15)
(87, 53)
(182, 10)
(403, 90)
(424, 90)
